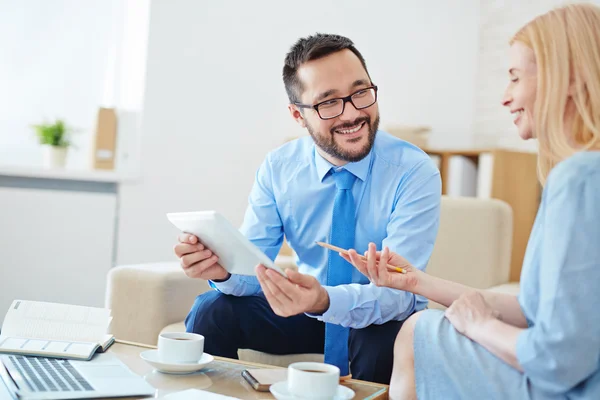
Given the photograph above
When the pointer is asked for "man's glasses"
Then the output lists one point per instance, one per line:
(332, 108)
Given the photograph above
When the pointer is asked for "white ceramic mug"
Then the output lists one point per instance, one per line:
(180, 347)
(313, 380)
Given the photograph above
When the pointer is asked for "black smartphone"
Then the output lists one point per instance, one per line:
(262, 378)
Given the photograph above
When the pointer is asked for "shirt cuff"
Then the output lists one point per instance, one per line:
(339, 305)
(226, 287)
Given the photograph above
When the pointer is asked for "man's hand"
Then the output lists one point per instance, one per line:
(198, 261)
(297, 294)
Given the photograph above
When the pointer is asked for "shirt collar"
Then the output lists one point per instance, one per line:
(360, 169)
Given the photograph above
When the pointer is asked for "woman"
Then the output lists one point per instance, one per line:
(545, 343)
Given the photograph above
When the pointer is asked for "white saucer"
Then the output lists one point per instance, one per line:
(151, 357)
(280, 391)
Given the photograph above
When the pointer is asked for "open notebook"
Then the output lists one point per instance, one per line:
(55, 330)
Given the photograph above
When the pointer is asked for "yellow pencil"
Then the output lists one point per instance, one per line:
(343, 251)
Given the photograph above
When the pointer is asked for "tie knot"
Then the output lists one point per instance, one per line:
(344, 179)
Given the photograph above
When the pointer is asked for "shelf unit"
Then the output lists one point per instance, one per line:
(513, 179)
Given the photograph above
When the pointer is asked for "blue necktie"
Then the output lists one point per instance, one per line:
(339, 272)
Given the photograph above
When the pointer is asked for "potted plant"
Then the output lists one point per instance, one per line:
(54, 138)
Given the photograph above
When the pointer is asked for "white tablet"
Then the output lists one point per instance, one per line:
(236, 253)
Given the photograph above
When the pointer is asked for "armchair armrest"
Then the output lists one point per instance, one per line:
(144, 298)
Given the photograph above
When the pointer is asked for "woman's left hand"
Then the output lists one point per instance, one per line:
(470, 312)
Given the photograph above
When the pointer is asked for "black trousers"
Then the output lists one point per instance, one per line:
(229, 323)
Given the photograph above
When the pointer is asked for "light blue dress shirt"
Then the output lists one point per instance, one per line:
(397, 197)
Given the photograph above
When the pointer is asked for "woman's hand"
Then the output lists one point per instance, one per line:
(376, 270)
(469, 313)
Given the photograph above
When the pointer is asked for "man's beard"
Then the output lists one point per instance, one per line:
(329, 145)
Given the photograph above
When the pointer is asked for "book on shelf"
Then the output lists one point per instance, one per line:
(55, 330)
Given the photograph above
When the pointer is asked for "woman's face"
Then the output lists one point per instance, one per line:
(520, 94)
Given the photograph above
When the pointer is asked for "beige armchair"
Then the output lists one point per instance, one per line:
(473, 247)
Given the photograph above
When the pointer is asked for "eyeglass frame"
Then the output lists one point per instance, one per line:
(344, 101)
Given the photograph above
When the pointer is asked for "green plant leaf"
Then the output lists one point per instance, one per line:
(53, 134)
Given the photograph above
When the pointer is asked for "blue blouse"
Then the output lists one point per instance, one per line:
(560, 283)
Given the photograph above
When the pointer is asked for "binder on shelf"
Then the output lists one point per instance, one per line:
(484, 176)
(106, 139)
(462, 177)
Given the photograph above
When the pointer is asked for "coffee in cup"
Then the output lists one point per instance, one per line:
(180, 347)
(312, 380)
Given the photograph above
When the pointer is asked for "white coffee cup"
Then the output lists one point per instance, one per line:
(313, 380)
(180, 347)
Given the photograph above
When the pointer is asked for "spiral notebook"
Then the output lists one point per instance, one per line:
(55, 330)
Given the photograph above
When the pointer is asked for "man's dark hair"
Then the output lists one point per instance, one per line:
(312, 48)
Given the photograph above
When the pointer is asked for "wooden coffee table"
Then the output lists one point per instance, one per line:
(221, 376)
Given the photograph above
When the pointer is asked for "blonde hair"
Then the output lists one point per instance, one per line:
(566, 45)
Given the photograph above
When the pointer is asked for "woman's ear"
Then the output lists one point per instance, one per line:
(571, 89)
(573, 86)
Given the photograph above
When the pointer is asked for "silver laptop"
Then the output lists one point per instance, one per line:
(50, 378)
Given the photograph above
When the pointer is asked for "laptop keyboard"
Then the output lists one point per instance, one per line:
(49, 374)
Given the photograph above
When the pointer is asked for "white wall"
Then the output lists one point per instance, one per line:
(64, 59)
(215, 103)
(500, 20)
(52, 65)
(73, 249)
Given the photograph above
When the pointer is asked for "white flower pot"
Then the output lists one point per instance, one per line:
(53, 156)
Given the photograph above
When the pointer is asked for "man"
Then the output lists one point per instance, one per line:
(347, 184)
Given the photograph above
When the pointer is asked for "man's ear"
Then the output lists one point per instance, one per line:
(297, 115)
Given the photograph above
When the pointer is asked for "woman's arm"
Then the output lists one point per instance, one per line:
(439, 290)
(500, 339)
(474, 317)
(446, 292)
